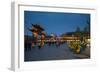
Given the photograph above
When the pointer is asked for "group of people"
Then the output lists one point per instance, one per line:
(40, 42)
(32, 43)
(54, 41)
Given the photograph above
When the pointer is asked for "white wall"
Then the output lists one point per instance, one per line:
(5, 34)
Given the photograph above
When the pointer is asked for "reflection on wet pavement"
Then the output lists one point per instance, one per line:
(51, 53)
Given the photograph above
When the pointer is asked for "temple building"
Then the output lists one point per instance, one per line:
(37, 31)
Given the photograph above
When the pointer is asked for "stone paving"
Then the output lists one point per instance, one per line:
(54, 53)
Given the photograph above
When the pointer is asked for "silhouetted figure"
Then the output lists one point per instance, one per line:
(49, 43)
(27, 45)
(39, 46)
(42, 38)
(57, 42)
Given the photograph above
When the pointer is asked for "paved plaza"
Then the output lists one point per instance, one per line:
(54, 53)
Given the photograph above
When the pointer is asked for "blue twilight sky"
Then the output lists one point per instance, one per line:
(55, 22)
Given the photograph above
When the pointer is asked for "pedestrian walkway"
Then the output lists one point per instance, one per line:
(51, 53)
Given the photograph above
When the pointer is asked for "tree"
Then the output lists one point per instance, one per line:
(78, 32)
(88, 25)
(78, 29)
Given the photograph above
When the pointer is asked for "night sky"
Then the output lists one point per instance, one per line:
(55, 22)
